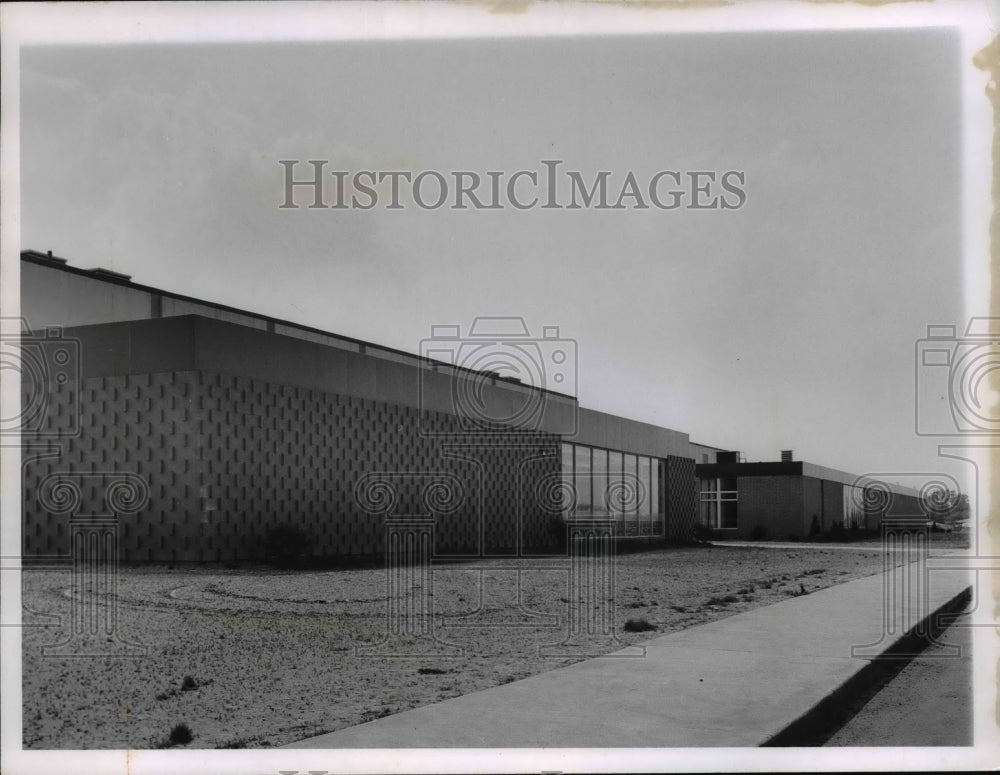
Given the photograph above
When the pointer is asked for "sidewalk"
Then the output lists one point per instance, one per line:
(739, 681)
(800, 545)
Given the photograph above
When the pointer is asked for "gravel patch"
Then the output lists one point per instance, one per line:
(257, 658)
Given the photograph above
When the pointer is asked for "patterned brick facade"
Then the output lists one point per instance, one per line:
(227, 457)
(681, 498)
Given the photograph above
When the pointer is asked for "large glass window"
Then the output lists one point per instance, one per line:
(594, 474)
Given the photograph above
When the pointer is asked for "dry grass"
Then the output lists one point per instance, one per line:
(251, 658)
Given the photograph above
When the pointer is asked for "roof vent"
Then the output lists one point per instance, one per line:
(101, 272)
(786, 456)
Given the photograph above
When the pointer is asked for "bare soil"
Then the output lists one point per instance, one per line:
(258, 657)
(929, 703)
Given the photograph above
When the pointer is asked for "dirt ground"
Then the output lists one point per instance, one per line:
(928, 703)
(257, 657)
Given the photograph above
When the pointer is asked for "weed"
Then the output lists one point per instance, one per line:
(188, 684)
(179, 735)
(638, 625)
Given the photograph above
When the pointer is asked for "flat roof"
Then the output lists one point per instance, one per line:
(117, 278)
(789, 468)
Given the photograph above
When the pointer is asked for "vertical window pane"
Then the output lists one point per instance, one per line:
(600, 463)
(728, 514)
(614, 480)
(703, 515)
(654, 497)
(583, 480)
(631, 515)
(643, 505)
(567, 473)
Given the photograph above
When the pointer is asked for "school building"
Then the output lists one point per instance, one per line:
(200, 428)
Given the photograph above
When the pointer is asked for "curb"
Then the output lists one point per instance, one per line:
(820, 722)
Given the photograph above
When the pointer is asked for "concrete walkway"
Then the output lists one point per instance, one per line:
(739, 681)
(800, 546)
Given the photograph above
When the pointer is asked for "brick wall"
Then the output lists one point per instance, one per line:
(812, 501)
(833, 503)
(775, 502)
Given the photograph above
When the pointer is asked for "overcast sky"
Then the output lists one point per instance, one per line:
(788, 323)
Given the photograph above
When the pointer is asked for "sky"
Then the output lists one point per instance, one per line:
(789, 323)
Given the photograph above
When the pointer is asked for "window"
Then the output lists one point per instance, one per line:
(717, 507)
(632, 482)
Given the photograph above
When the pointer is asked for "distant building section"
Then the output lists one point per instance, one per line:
(794, 499)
